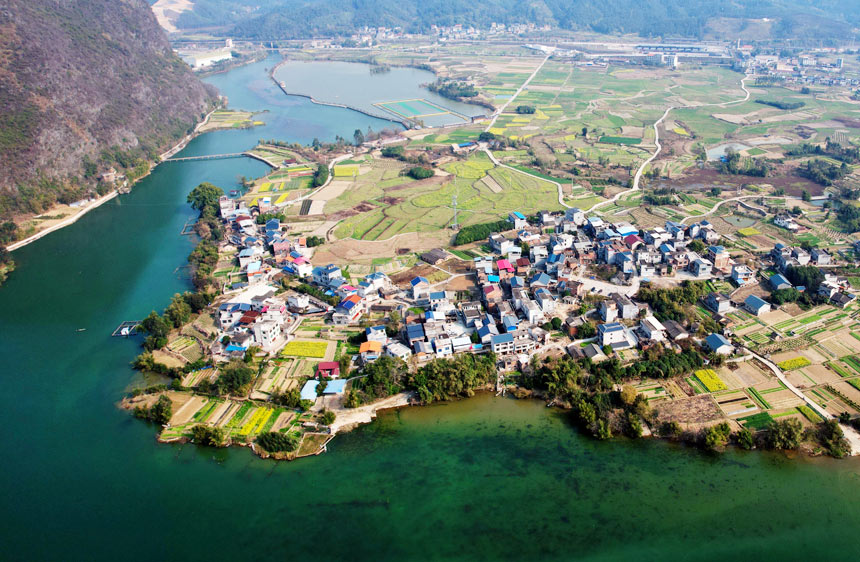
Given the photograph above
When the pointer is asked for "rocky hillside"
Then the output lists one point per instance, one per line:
(85, 85)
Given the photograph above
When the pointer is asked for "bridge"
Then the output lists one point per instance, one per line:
(208, 157)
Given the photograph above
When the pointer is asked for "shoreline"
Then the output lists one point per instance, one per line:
(182, 143)
(313, 100)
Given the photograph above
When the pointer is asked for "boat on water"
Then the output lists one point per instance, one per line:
(81, 330)
(234, 192)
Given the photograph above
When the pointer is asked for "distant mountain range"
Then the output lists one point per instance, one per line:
(289, 19)
(85, 85)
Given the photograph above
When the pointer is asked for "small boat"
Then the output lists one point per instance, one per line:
(81, 330)
(234, 192)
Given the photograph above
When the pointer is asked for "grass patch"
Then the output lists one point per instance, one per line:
(756, 421)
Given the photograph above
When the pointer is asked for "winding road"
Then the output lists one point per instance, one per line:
(656, 125)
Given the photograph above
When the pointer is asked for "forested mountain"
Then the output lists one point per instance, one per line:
(284, 19)
(85, 85)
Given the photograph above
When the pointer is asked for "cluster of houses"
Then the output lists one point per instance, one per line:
(536, 275)
(578, 240)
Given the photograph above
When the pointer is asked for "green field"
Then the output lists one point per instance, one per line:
(620, 140)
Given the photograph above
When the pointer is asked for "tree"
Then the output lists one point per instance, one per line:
(345, 364)
(585, 131)
(627, 395)
(830, 436)
(633, 426)
(205, 196)
(358, 137)
(784, 434)
(207, 435)
(162, 410)
(696, 246)
(556, 323)
(717, 436)
(586, 330)
(746, 439)
(328, 417)
(419, 173)
(235, 378)
(805, 195)
(276, 442)
(178, 312)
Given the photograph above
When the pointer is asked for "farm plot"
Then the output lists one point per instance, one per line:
(297, 348)
(735, 403)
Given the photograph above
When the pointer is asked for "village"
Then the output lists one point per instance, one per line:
(550, 284)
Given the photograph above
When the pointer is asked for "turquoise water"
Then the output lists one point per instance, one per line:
(352, 84)
(484, 478)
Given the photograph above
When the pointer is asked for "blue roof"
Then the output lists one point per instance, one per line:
(465, 144)
(493, 278)
(437, 295)
(540, 278)
(232, 347)
(414, 331)
(418, 280)
(372, 329)
(754, 301)
(309, 390)
(519, 215)
(502, 338)
(778, 279)
(554, 258)
(484, 331)
(273, 224)
(246, 253)
(346, 304)
(715, 341)
(517, 282)
(335, 386)
(717, 249)
(612, 327)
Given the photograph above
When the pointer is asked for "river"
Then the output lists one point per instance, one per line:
(485, 478)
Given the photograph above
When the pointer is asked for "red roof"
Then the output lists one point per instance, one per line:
(632, 239)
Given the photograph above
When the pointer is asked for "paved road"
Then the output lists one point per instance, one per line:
(518, 92)
(850, 433)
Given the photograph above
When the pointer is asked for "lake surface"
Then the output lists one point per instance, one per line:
(718, 152)
(352, 84)
(482, 479)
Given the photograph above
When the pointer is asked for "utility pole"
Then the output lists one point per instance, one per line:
(454, 225)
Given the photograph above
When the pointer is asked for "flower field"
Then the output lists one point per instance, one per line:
(305, 349)
(792, 364)
(710, 380)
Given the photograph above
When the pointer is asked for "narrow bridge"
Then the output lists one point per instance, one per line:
(207, 157)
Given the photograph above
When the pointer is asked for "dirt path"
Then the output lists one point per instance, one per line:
(555, 183)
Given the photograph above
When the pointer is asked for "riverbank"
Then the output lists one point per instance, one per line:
(49, 228)
(65, 222)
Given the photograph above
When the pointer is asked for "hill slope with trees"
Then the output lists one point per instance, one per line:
(85, 86)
